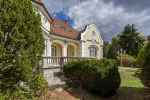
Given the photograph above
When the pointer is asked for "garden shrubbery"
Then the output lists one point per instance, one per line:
(144, 61)
(127, 60)
(97, 76)
(36, 88)
(39, 85)
(21, 49)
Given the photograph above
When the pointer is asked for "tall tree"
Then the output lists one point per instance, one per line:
(113, 48)
(130, 40)
(143, 59)
(21, 42)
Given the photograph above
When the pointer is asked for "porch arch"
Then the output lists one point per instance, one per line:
(71, 50)
(57, 49)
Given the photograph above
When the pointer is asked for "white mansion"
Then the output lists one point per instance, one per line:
(62, 41)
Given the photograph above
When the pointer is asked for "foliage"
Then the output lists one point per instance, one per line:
(127, 60)
(113, 48)
(106, 48)
(21, 42)
(18, 94)
(21, 47)
(97, 76)
(143, 58)
(130, 40)
(38, 85)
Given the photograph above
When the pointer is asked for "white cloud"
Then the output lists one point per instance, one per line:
(109, 17)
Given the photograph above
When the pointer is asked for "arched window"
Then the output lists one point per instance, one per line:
(93, 51)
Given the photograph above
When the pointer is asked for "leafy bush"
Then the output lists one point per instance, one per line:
(143, 59)
(39, 85)
(32, 90)
(127, 60)
(97, 76)
(21, 49)
(18, 94)
(141, 56)
(21, 42)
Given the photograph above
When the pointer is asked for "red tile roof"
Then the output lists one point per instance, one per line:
(62, 28)
(59, 27)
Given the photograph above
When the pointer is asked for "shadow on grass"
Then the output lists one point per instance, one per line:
(123, 93)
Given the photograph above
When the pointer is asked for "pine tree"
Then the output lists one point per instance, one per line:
(21, 42)
(130, 40)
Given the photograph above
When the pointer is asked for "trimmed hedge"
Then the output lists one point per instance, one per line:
(97, 76)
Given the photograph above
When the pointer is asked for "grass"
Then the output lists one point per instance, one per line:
(129, 77)
(131, 89)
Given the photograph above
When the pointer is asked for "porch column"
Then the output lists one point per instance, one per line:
(82, 50)
(49, 44)
(65, 50)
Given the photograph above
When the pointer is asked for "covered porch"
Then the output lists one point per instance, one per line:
(58, 52)
(54, 62)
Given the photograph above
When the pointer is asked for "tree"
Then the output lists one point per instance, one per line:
(143, 59)
(106, 48)
(113, 48)
(21, 42)
(130, 40)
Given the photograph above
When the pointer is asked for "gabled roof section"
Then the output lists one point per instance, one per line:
(62, 28)
(40, 2)
(91, 32)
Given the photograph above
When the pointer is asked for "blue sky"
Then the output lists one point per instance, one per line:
(63, 16)
(110, 16)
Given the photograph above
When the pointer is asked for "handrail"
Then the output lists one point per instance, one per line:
(60, 61)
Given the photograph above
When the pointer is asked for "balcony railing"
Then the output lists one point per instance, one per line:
(49, 62)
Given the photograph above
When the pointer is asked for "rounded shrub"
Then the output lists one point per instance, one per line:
(97, 76)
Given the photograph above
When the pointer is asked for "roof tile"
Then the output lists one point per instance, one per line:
(62, 28)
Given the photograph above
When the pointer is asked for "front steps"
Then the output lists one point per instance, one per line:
(54, 76)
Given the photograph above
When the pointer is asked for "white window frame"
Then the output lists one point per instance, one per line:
(93, 51)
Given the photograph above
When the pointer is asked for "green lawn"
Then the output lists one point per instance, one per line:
(129, 77)
(131, 89)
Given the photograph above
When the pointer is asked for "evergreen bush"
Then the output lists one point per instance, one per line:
(144, 61)
(97, 76)
(21, 48)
